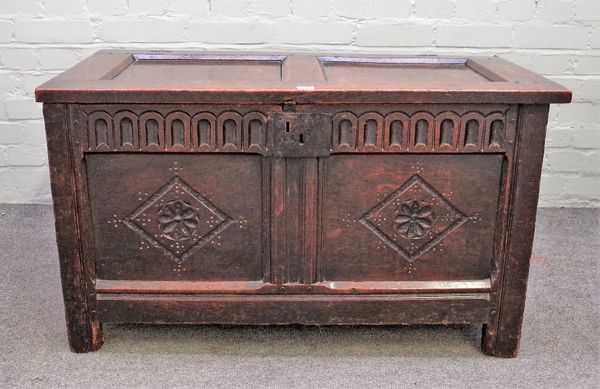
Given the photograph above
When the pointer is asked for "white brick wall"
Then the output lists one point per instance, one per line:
(557, 38)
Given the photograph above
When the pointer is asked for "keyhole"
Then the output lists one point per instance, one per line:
(287, 126)
(301, 139)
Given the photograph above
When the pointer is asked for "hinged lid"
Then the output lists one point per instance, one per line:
(178, 77)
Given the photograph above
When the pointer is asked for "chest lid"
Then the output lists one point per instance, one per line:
(234, 78)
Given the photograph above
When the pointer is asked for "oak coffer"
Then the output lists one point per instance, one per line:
(278, 189)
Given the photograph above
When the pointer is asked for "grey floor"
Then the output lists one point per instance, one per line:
(560, 347)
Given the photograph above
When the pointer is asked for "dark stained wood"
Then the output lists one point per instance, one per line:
(228, 208)
(279, 189)
(296, 309)
(363, 194)
(84, 333)
(503, 332)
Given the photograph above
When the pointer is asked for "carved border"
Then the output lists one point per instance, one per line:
(228, 132)
(349, 132)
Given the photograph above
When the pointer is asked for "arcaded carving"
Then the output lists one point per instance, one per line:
(419, 132)
(177, 131)
(230, 131)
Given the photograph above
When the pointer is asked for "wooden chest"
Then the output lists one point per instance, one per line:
(276, 189)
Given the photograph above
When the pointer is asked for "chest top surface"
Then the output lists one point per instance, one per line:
(233, 78)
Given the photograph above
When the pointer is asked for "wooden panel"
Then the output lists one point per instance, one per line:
(202, 67)
(170, 217)
(419, 217)
(322, 310)
(294, 222)
(398, 70)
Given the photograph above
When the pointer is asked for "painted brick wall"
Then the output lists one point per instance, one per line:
(557, 38)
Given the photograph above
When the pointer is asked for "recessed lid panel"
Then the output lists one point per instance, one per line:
(199, 67)
(176, 77)
(402, 70)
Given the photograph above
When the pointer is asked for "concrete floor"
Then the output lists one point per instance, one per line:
(560, 347)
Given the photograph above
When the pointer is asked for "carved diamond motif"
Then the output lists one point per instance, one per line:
(178, 220)
(413, 219)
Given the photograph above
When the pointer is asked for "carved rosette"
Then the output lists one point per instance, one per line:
(178, 220)
(413, 219)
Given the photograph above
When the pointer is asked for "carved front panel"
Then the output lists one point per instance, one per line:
(322, 192)
(418, 217)
(176, 217)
